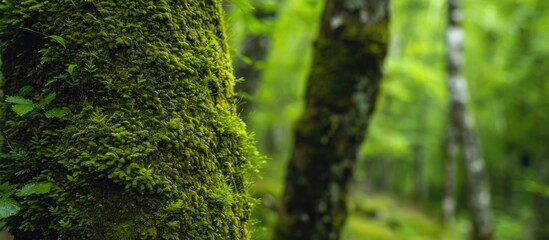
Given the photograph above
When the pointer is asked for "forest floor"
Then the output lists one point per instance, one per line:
(380, 217)
(373, 217)
(385, 217)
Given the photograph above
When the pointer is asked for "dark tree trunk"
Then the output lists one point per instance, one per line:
(462, 122)
(151, 146)
(340, 98)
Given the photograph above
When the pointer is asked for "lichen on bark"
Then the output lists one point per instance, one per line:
(152, 146)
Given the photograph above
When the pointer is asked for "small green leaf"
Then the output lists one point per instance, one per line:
(19, 100)
(70, 68)
(22, 109)
(55, 113)
(51, 81)
(37, 6)
(246, 59)
(47, 100)
(7, 189)
(90, 67)
(34, 188)
(21, 105)
(24, 90)
(58, 39)
(8, 207)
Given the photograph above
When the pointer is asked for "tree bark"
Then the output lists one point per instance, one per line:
(450, 169)
(151, 146)
(340, 98)
(462, 121)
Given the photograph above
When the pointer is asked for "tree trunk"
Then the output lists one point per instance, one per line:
(151, 146)
(462, 121)
(450, 169)
(340, 98)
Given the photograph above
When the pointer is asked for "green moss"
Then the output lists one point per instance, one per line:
(152, 139)
(347, 65)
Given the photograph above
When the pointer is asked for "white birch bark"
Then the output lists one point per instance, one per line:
(461, 121)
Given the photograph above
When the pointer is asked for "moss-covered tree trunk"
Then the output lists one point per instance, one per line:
(340, 98)
(151, 146)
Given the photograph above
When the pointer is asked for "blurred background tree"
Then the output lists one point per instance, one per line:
(399, 183)
(340, 97)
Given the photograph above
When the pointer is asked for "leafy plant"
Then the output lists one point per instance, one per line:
(22, 105)
(90, 66)
(69, 22)
(9, 206)
(58, 39)
(72, 81)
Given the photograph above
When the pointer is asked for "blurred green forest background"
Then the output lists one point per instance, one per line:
(399, 182)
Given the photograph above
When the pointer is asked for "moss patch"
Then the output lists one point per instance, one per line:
(151, 134)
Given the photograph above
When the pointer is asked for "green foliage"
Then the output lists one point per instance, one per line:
(55, 113)
(46, 100)
(58, 39)
(277, 104)
(22, 106)
(34, 188)
(24, 91)
(70, 69)
(90, 66)
(505, 54)
(19, 100)
(536, 188)
(10, 207)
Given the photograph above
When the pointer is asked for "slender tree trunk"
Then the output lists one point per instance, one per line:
(450, 168)
(151, 146)
(462, 121)
(340, 98)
